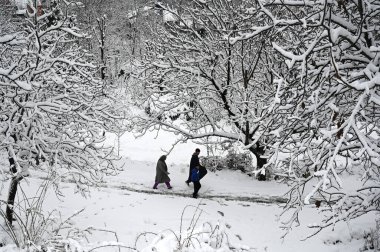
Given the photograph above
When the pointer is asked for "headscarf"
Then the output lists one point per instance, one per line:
(163, 158)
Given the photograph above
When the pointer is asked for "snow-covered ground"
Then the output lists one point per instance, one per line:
(128, 206)
(152, 145)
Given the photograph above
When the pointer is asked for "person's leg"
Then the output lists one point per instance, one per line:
(155, 185)
(197, 186)
(168, 185)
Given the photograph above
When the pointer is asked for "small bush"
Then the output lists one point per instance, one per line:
(213, 163)
(232, 161)
(35, 229)
(239, 161)
(194, 238)
(372, 239)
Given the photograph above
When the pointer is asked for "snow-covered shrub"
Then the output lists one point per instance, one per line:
(233, 161)
(194, 238)
(33, 227)
(372, 239)
(239, 161)
(207, 237)
(213, 163)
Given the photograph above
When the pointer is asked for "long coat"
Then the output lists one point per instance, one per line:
(194, 161)
(162, 171)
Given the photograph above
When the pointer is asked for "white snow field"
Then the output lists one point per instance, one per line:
(128, 206)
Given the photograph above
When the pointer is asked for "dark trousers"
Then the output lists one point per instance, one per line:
(197, 186)
(166, 183)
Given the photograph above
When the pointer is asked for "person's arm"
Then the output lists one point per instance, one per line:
(161, 166)
(166, 168)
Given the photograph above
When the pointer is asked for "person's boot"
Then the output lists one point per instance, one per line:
(155, 185)
(168, 185)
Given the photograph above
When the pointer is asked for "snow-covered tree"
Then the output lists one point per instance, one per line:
(196, 71)
(327, 109)
(54, 109)
(301, 77)
(119, 26)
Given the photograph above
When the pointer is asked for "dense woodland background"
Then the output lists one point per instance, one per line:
(293, 84)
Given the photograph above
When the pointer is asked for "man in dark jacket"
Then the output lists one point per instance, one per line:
(194, 162)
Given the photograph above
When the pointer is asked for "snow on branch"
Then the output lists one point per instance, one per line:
(55, 109)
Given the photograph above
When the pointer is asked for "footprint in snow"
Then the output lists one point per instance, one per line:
(244, 205)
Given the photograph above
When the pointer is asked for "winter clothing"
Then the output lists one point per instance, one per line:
(197, 186)
(166, 183)
(162, 173)
(195, 175)
(193, 163)
(202, 172)
(195, 178)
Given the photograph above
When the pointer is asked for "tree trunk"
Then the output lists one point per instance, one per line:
(12, 191)
(11, 198)
(260, 161)
(102, 30)
(258, 151)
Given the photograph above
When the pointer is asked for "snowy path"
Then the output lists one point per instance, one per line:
(252, 199)
(127, 206)
(131, 212)
(187, 194)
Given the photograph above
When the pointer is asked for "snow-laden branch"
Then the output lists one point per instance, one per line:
(54, 109)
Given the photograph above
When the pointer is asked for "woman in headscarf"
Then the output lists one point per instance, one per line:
(162, 173)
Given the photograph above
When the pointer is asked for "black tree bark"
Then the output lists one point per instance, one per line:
(12, 192)
(11, 199)
(258, 152)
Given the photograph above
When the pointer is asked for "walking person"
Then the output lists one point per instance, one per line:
(195, 178)
(194, 161)
(162, 174)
